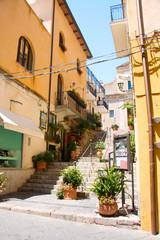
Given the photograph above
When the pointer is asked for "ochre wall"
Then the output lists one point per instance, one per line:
(153, 56)
(17, 19)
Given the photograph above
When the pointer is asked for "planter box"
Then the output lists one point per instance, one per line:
(76, 99)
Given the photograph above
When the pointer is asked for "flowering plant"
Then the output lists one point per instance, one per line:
(3, 182)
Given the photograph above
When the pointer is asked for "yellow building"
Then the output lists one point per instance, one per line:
(24, 79)
(137, 29)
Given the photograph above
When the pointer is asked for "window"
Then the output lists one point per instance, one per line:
(129, 85)
(78, 66)
(62, 42)
(111, 113)
(24, 55)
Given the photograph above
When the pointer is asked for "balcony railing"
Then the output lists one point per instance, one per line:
(92, 90)
(102, 103)
(94, 80)
(67, 100)
(117, 12)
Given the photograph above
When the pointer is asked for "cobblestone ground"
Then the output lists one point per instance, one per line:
(21, 226)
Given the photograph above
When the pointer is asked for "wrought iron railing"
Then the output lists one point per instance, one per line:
(64, 99)
(92, 78)
(117, 12)
(102, 103)
(91, 89)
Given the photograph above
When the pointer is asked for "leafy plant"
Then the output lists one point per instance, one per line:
(3, 182)
(72, 146)
(72, 176)
(60, 192)
(129, 106)
(132, 145)
(98, 124)
(100, 145)
(107, 184)
(42, 157)
(114, 126)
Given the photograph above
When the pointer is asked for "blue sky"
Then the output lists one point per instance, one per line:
(93, 19)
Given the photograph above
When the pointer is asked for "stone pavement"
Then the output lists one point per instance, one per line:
(81, 210)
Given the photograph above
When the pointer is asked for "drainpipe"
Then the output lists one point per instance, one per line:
(50, 75)
(150, 125)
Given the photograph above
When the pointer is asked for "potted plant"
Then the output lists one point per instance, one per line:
(107, 186)
(72, 149)
(72, 178)
(115, 127)
(41, 160)
(100, 146)
(131, 124)
(3, 182)
(99, 126)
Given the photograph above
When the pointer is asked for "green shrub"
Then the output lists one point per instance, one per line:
(60, 193)
(72, 176)
(107, 184)
(42, 157)
(100, 145)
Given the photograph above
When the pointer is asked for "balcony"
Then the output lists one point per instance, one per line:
(119, 29)
(91, 92)
(102, 106)
(68, 104)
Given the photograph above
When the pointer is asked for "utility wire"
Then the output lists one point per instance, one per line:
(72, 63)
(74, 68)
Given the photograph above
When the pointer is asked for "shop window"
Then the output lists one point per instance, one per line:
(10, 149)
(62, 42)
(24, 54)
(111, 113)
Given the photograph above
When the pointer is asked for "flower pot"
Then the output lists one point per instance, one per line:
(108, 209)
(99, 129)
(80, 142)
(131, 127)
(100, 154)
(115, 129)
(70, 194)
(41, 165)
(73, 155)
(82, 135)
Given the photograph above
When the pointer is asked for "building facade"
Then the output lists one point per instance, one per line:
(138, 23)
(25, 60)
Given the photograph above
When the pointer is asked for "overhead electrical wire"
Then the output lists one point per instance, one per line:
(74, 68)
(72, 63)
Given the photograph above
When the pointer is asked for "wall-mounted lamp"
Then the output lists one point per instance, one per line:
(120, 86)
(73, 84)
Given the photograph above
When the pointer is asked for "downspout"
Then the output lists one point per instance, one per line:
(150, 125)
(51, 58)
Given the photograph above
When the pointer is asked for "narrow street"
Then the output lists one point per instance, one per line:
(21, 226)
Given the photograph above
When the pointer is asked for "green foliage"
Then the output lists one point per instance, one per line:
(72, 146)
(96, 120)
(3, 182)
(132, 145)
(42, 157)
(114, 126)
(72, 176)
(60, 193)
(129, 106)
(100, 145)
(107, 184)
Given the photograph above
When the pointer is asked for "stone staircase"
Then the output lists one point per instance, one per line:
(47, 181)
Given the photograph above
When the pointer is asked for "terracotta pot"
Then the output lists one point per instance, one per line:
(115, 129)
(82, 135)
(108, 209)
(80, 142)
(73, 155)
(99, 155)
(131, 127)
(99, 129)
(41, 165)
(70, 194)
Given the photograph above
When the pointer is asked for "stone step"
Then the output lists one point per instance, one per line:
(35, 190)
(45, 177)
(42, 181)
(38, 185)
